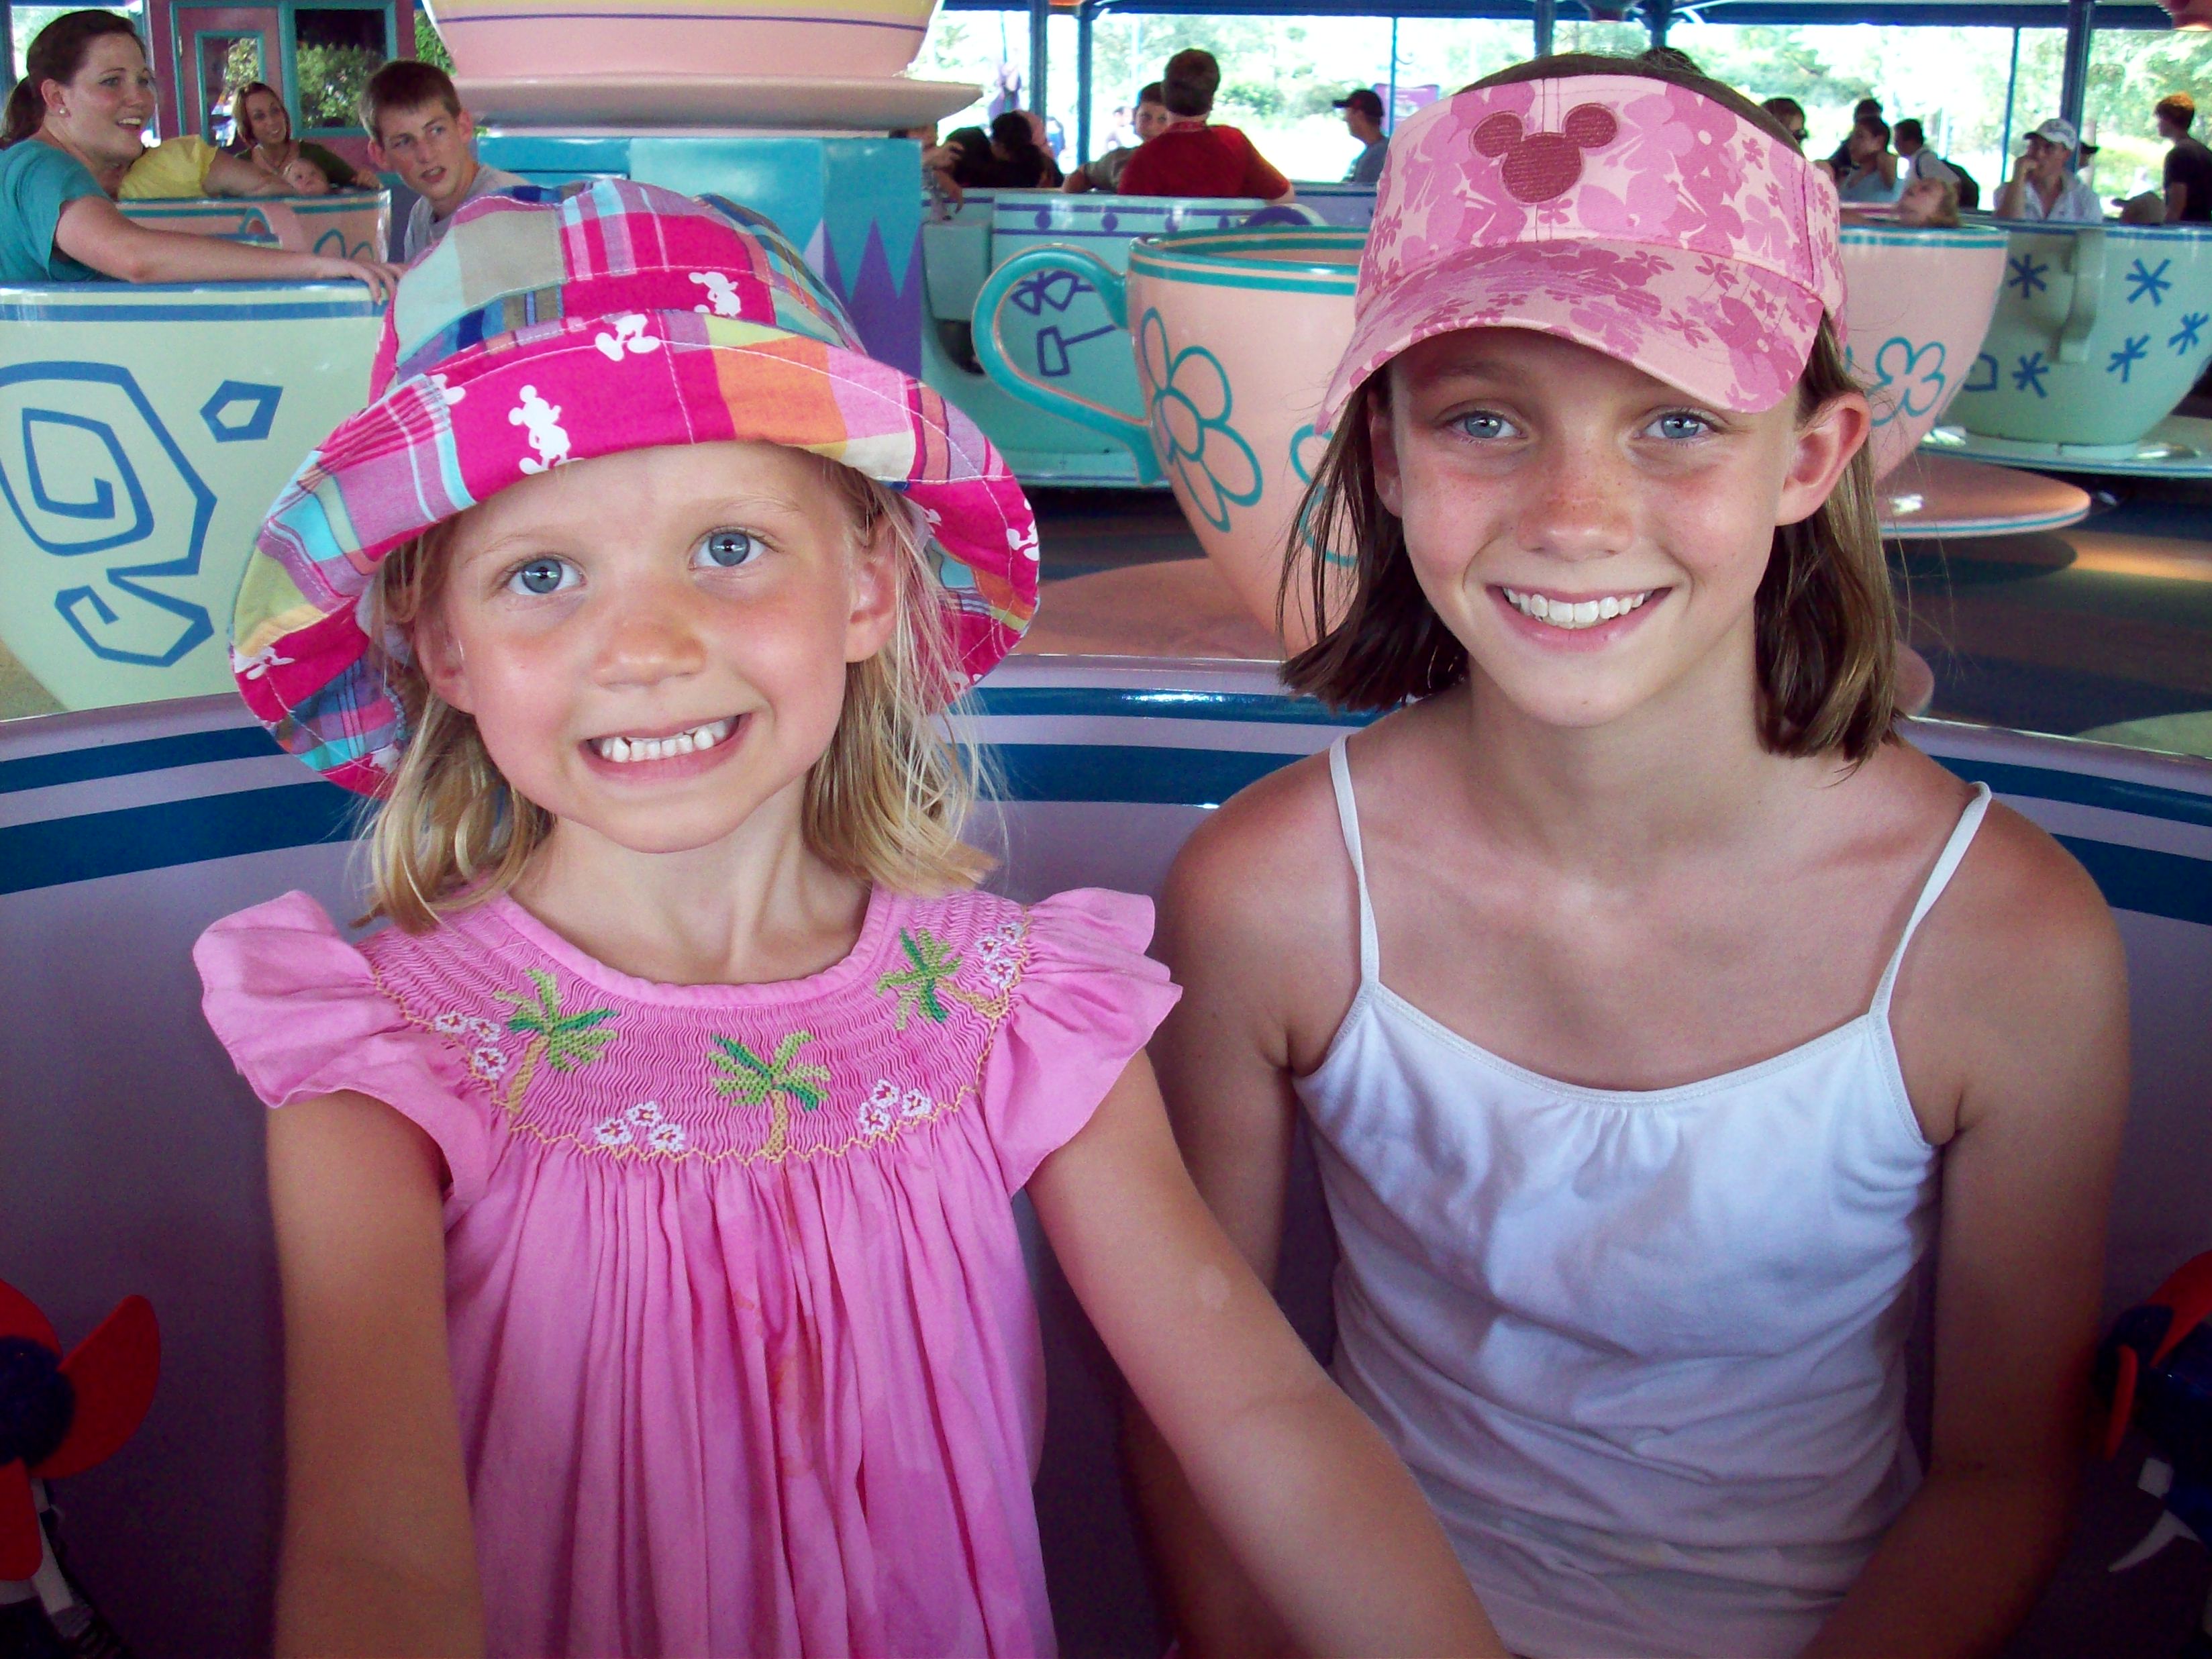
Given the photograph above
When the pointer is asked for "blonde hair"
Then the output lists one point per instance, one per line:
(885, 803)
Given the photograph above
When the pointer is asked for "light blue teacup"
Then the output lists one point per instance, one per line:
(144, 430)
(2100, 330)
(1047, 334)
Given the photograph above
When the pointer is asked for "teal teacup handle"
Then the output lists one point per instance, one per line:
(1000, 365)
(2088, 271)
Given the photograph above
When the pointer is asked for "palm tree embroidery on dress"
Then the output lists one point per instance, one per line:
(774, 1082)
(562, 1040)
(926, 983)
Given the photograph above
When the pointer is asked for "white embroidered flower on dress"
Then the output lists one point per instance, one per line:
(488, 1063)
(612, 1132)
(877, 1118)
(667, 1138)
(916, 1105)
(885, 1093)
(645, 1114)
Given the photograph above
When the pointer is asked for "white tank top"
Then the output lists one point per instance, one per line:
(1644, 1349)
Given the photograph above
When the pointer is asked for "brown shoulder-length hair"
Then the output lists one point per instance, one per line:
(1824, 617)
(247, 138)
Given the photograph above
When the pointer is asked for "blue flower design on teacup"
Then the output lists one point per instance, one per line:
(1911, 377)
(1306, 448)
(1190, 408)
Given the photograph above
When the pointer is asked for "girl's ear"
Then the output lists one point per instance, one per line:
(1382, 445)
(439, 655)
(874, 586)
(1823, 448)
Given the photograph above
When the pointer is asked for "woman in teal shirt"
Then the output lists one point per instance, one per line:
(72, 130)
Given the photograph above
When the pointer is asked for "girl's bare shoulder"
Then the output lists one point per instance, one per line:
(1252, 866)
(2021, 951)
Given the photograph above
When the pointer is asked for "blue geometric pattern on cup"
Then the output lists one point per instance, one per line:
(2186, 339)
(1190, 408)
(2023, 273)
(332, 244)
(1914, 387)
(259, 402)
(97, 475)
(2143, 282)
(2030, 373)
(1054, 290)
(1975, 379)
(2133, 349)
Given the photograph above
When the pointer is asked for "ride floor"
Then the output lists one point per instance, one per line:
(2101, 629)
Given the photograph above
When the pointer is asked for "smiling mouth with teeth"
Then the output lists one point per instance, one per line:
(1581, 613)
(625, 751)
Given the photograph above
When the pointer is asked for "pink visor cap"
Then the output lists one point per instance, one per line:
(1634, 217)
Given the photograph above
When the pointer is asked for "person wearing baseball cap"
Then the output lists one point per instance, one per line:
(1363, 115)
(1651, 1004)
(2043, 185)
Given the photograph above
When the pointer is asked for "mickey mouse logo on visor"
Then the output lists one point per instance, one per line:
(1535, 166)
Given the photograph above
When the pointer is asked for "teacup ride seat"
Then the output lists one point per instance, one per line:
(1339, 203)
(1052, 370)
(135, 1153)
(144, 430)
(344, 224)
(2100, 331)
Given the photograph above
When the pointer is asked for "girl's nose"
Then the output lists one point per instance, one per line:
(1577, 500)
(648, 640)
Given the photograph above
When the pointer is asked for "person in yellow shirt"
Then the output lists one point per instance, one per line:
(192, 167)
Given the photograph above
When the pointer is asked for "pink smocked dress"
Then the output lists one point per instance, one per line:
(744, 1347)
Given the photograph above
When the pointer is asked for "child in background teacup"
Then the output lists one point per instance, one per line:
(1655, 1008)
(644, 1197)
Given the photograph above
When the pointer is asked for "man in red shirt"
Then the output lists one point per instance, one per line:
(1192, 158)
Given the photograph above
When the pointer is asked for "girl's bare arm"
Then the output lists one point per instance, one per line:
(379, 1556)
(1315, 1506)
(1224, 1069)
(2034, 986)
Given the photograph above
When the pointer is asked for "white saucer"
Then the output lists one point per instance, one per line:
(626, 103)
(2179, 447)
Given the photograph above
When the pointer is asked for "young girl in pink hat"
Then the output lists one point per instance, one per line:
(644, 1192)
(1658, 1013)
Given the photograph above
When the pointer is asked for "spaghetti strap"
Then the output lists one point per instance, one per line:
(1946, 864)
(1347, 815)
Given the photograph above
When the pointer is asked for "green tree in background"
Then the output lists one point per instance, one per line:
(429, 44)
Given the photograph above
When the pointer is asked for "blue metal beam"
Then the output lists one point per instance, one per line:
(1034, 96)
(2074, 91)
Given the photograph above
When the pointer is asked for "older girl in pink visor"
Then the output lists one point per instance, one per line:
(1658, 1012)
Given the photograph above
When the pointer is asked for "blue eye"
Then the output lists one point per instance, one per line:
(1486, 424)
(541, 576)
(726, 550)
(1679, 423)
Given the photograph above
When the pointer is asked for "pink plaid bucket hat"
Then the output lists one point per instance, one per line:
(549, 329)
(1637, 216)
